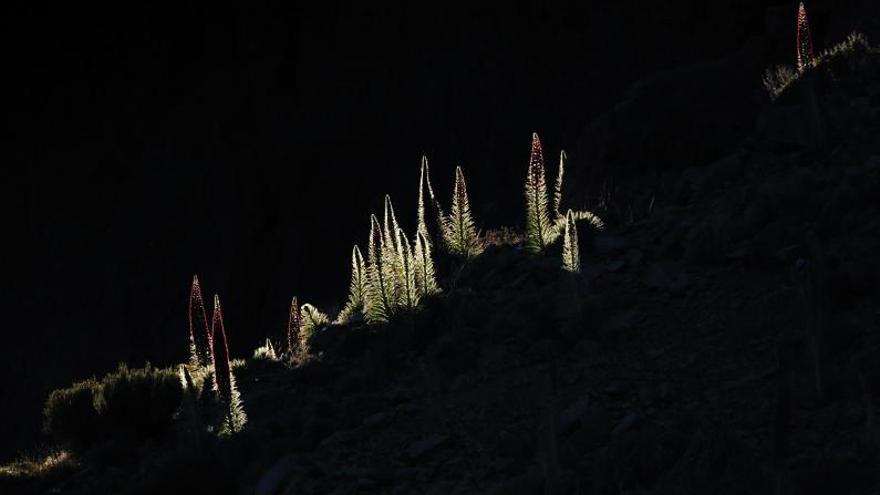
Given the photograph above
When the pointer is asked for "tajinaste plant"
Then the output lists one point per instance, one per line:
(357, 287)
(199, 333)
(380, 295)
(294, 327)
(557, 189)
(312, 321)
(439, 214)
(224, 381)
(805, 57)
(461, 233)
(571, 258)
(392, 250)
(538, 227)
(409, 295)
(426, 280)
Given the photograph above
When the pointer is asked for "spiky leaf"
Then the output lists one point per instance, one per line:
(593, 220)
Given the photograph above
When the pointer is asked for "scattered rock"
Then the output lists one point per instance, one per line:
(669, 276)
(427, 445)
(630, 421)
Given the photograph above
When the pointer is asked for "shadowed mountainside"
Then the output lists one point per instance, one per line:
(683, 360)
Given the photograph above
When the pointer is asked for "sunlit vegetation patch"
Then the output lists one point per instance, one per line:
(265, 352)
(198, 403)
(312, 320)
(545, 222)
(357, 291)
(843, 56)
(38, 465)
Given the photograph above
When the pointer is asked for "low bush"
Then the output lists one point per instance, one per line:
(135, 404)
(70, 413)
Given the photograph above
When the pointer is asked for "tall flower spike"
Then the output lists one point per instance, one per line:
(357, 288)
(426, 281)
(438, 213)
(294, 326)
(461, 231)
(409, 294)
(199, 333)
(224, 381)
(805, 57)
(390, 225)
(557, 189)
(538, 231)
(220, 355)
(392, 249)
(422, 227)
(380, 277)
(571, 258)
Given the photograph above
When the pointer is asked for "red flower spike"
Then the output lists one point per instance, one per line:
(220, 355)
(199, 333)
(294, 324)
(805, 57)
(536, 160)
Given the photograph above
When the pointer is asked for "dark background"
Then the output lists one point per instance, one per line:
(249, 146)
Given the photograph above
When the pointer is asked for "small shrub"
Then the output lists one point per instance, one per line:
(139, 402)
(266, 352)
(135, 404)
(776, 79)
(70, 414)
(38, 465)
(505, 236)
(312, 320)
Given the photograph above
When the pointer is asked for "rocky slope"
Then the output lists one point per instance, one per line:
(723, 338)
